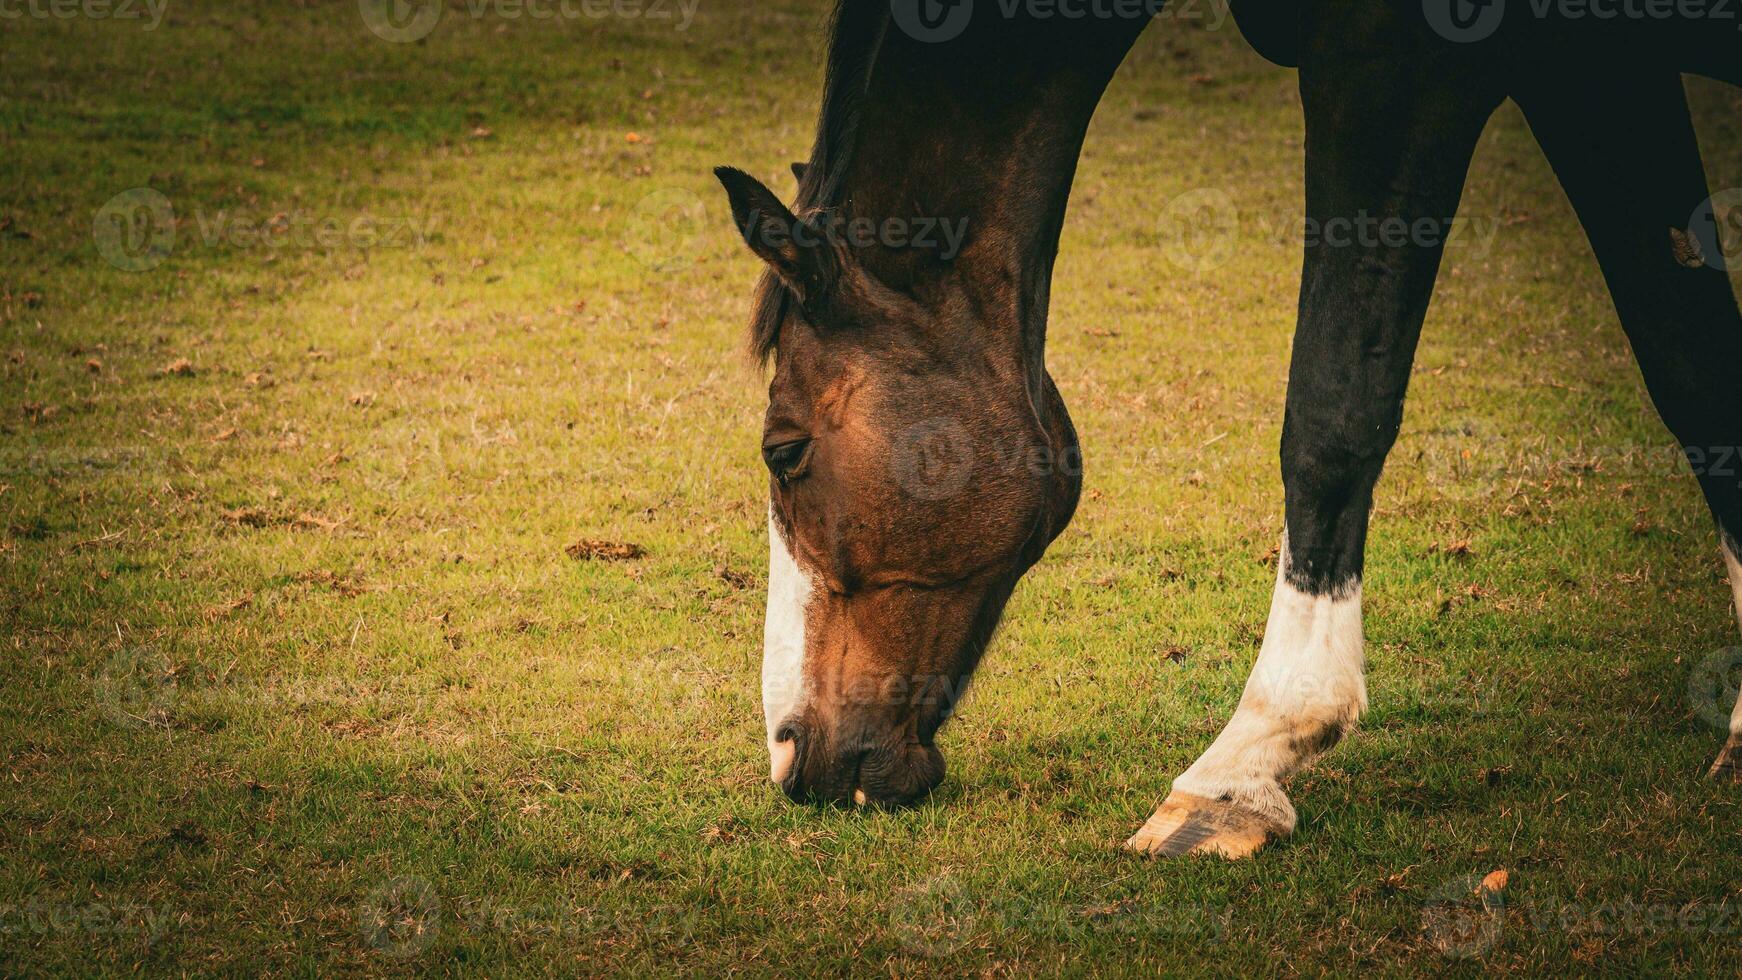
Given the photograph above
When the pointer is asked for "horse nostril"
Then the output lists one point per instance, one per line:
(790, 737)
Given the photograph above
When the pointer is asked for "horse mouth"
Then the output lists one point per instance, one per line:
(859, 797)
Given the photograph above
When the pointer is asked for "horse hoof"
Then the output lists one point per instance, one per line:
(1187, 824)
(1728, 768)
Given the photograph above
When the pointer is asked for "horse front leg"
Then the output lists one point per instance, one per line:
(1388, 146)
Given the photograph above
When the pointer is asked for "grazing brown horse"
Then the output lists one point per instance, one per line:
(921, 459)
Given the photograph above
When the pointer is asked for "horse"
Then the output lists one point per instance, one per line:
(920, 457)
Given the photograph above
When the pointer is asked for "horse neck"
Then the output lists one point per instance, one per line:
(983, 132)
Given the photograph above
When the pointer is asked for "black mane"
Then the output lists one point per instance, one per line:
(855, 35)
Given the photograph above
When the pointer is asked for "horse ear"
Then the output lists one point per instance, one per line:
(798, 170)
(797, 251)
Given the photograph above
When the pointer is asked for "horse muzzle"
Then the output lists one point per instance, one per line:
(881, 775)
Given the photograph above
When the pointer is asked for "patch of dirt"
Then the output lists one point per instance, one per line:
(1454, 549)
(346, 587)
(258, 517)
(592, 550)
(733, 577)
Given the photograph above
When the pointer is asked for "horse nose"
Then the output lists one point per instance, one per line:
(786, 758)
(816, 773)
(783, 752)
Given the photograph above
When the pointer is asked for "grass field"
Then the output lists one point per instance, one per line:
(300, 677)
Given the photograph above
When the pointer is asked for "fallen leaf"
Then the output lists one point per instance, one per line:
(1398, 881)
(722, 832)
(181, 367)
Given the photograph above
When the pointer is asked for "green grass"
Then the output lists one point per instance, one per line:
(291, 643)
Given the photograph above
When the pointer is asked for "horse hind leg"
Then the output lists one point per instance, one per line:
(1624, 148)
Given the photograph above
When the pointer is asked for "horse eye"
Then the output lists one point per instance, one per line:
(787, 460)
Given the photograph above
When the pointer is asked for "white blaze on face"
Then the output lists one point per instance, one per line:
(789, 592)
